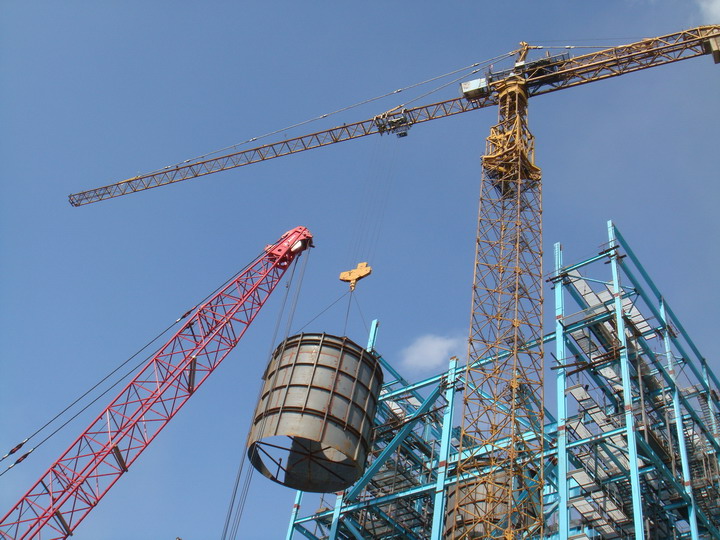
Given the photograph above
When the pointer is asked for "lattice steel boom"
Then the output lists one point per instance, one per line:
(76, 482)
(564, 73)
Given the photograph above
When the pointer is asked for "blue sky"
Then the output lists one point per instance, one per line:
(95, 93)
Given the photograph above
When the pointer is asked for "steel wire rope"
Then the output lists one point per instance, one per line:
(374, 205)
(477, 69)
(382, 206)
(363, 206)
(238, 476)
(352, 297)
(324, 311)
(235, 511)
(372, 220)
(543, 47)
(105, 378)
(342, 109)
(362, 317)
(347, 312)
(236, 514)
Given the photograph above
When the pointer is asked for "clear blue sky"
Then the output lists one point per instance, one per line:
(92, 93)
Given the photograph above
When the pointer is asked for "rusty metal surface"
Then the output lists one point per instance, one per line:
(312, 427)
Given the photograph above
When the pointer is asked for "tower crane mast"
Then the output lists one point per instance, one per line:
(76, 482)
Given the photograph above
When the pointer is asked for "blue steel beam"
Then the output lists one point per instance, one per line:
(307, 534)
(394, 524)
(672, 316)
(374, 467)
(684, 461)
(620, 292)
(661, 467)
(294, 515)
(630, 433)
(444, 456)
(352, 528)
(560, 383)
(335, 524)
(666, 376)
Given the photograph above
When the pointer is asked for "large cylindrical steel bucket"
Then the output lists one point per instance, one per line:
(312, 428)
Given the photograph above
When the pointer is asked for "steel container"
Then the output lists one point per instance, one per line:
(312, 429)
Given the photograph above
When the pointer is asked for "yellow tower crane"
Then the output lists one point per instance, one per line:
(507, 290)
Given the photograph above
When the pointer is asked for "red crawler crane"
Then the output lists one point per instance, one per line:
(76, 482)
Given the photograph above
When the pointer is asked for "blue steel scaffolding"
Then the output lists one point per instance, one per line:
(631, 451)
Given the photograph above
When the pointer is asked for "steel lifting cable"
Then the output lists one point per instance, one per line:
(235, 511)
(381, 206)
(362, 317)
(475, 67)
(372, 204)
(100, 382)
(368, 193)
(324, 311)
(249, 476)
(347, 312)
(231, 506)
(83, 409)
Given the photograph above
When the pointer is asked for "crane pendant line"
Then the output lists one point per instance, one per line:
(76, 482)
(503, 239)
(503, 498)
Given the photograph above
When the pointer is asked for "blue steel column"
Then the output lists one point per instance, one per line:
(440, 490)
(335, 527)
(687, 485)
(711, 403)
(294, 515)
(627, 389)
(373, 335)
(562, 464)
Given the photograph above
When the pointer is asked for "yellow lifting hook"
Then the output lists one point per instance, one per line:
(362, 270)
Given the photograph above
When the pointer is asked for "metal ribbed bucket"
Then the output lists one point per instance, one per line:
(312, 428)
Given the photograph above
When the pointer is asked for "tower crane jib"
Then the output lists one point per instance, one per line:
(541, 76)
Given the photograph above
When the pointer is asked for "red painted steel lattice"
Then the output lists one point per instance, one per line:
(76, 482)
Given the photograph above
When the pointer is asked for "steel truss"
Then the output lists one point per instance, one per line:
(104, 452)
(630, 452)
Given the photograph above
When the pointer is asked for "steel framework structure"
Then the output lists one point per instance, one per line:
(630, 451)
(76, 482)
(504, 440)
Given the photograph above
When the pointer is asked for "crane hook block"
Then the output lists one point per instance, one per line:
(362, 270)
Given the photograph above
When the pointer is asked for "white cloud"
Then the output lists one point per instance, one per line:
(432, 352)
(710, 10)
